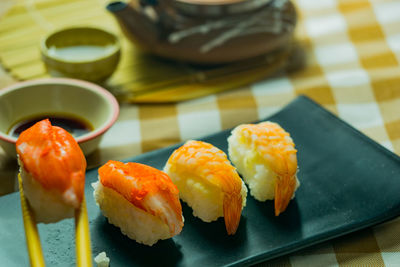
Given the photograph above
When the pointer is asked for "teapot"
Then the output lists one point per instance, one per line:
(207, 31)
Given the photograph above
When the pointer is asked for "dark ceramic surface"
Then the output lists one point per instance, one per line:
(348, 182)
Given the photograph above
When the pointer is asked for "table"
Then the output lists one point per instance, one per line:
(353, 54)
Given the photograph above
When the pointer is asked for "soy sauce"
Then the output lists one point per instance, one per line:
(75, 126)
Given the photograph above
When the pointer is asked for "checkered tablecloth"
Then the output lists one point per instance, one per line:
(352, 50)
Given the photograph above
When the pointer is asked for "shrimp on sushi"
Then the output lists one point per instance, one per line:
(265, 155)
(52, 169)
(141, 200)
(208, 183)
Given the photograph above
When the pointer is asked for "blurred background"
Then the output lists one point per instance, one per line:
(343, 54)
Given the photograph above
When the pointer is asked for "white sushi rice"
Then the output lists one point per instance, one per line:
(133, 222)
(205, 199)
(102, 260)
(49, 206)
(258, 176)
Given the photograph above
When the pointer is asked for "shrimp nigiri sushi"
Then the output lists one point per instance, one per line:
(208, 183)
(52, 169)
(141, 200)
(265, 156)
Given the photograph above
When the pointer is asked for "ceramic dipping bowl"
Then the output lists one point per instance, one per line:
(82, 100)
(85, 53)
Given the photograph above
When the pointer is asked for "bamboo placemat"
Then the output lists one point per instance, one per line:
(139, 77)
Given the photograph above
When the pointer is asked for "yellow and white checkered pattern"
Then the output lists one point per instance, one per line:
(352, 50)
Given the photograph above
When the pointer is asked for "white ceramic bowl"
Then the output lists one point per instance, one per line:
(53, 96)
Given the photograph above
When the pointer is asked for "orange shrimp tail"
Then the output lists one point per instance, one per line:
(284, 189)
(232, 211)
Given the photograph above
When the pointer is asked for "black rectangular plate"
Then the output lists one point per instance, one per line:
(348, 182)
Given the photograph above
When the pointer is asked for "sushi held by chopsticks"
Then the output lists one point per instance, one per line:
(141, 200)
(208, 183)
(264, 154)
(52, 169)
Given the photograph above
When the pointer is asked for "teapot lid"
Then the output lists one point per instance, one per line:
(215, 8)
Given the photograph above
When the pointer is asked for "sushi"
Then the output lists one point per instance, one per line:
(52, 169)
(265, 156)
(208, 183)
(141, 200)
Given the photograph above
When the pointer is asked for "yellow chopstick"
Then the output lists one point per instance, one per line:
(83, 250)
(31, 233)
